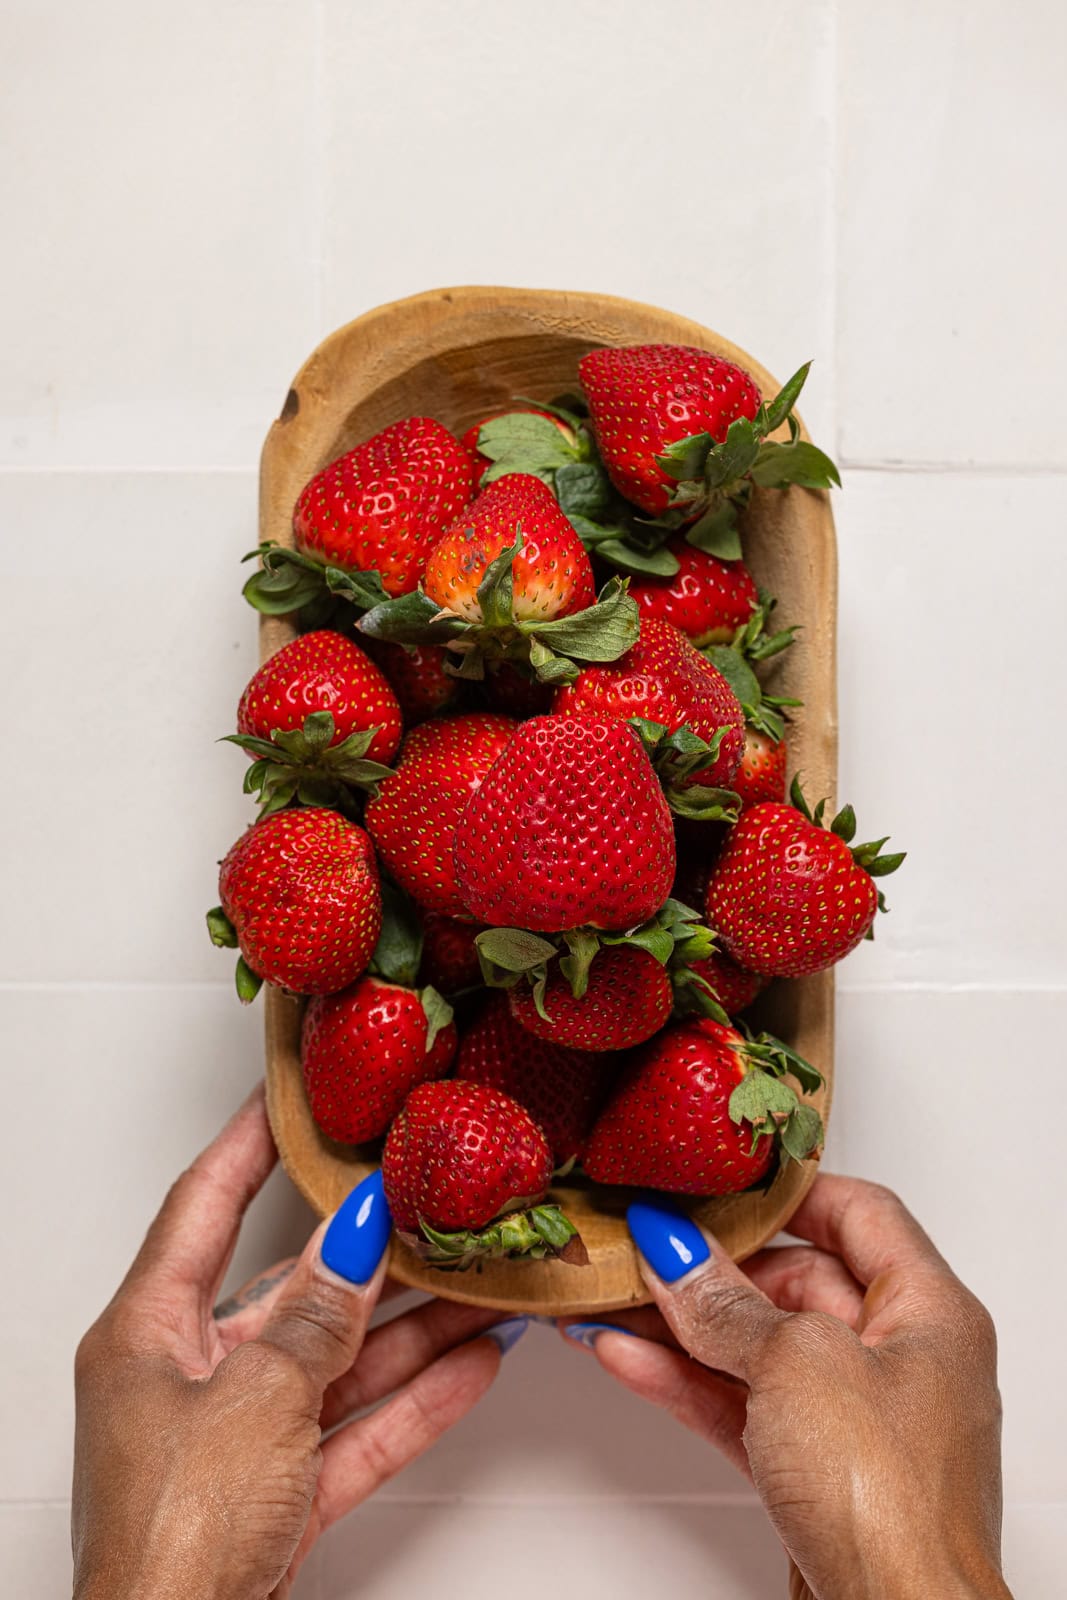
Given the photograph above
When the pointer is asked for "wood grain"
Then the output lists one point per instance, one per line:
(455, 354)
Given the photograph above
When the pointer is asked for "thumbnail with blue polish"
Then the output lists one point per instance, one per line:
(672, 1244)
(359, 1233)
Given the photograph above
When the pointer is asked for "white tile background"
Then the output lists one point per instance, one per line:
(194, 197)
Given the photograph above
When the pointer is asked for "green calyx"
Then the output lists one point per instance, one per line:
(678, 757)
(772, 1107)
(304, 764)
(714, 481)
(867, 856)
(289, 581)
(750, 645)
(509, 956)
(602, 632)
(537, 1231)
(224, 935)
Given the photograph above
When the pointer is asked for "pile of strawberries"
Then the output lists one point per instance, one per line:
(524, 837)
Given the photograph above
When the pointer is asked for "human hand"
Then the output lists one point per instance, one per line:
(200, 1462)
(854, 1382)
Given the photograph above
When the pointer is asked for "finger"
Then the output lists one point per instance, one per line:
(189, 1245)
(319, 1319)
(646, 1321)
(711, 1307)
(709, 1404)
(242, 1315)
(802, 1278)
(362, 1456)
(866, 1225)
(397, 1351)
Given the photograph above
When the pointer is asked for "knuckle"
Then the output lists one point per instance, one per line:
(712, 1296)
(325, 1312)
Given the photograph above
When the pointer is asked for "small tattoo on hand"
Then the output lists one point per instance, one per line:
(252, 1292)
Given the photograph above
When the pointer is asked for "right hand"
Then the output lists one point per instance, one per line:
(854, 1382)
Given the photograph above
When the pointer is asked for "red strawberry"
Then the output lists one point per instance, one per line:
(551, 574)
(628, 999)
(707, 599)
(449, 954)
(570, 827)
(687, 1111)
(364, 1049)
(301, 892)
(468, 1167)
(761, 775)
(382, 507)
(664, 679)
(733, 987)
(417, 676)
(414, 818)
(561, 1089)
(647, 397)
(469, 440)
(789, 897)
(322, 671)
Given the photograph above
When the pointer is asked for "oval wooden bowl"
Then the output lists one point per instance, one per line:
(455, 354)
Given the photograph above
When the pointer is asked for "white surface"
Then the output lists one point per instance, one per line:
(200, 196)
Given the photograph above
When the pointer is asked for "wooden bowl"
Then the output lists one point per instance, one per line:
(455, 354)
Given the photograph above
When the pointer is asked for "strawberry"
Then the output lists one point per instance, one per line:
(761, 775)
(416, 674)
(789, 897)
(449, 953)
(700, 1110)
(469, 440)
(317, 717)
(732, 986)
(364, 1049)
(550, 574)
(569, 827)
(628, 998)
(561, 1089)
(663, 679)
(382, 506)
(413, 819)
(465, 1170)
(707, 599)
(685, 436)
(300, 897)
(647, 397)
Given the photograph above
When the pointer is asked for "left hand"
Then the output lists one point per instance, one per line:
(201, 1465)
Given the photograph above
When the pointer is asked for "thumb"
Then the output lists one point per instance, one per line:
(713, 1310)
(320, 1318)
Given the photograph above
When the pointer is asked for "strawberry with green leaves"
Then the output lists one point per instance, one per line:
(562, 1089)
(707, 599)
(414, 817)
(449, 954)
(790, 897)
(382, 506)
(505, 433)
(568, 828)
(510, 581)
(665, 681)
(300, 898)
(363, 1050)
(417, 676)
(466, 1173)
(627, 996)
(685, 436)
(701, 1110)
(730, 986)
(761, 774)
(318, 717)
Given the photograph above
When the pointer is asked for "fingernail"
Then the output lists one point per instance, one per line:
(587, 1333)
(357, 1237)
(506, 1334)
(672, 1244)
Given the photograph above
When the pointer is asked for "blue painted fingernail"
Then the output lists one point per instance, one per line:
(506, 1334)
(672, 1244)
(587, 1332)
(357, 1237)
